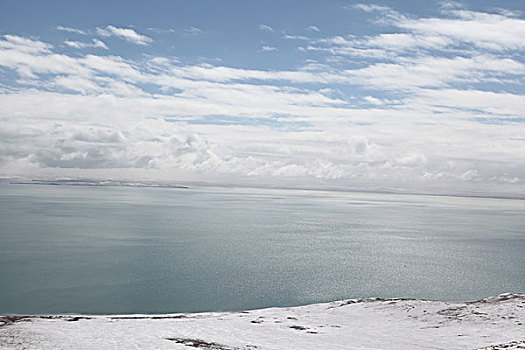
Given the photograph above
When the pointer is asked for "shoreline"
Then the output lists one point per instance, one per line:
(190, 184)
(496, 298)
(373, 323)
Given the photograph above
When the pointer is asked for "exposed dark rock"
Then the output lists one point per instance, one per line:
(201, 344)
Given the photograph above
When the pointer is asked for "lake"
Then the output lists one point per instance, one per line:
(110, 249)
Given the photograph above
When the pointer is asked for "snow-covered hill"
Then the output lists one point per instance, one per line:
(492, 323)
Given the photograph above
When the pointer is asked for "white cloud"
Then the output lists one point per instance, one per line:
(266, 28)
(161, 30)
(71, 30)
(448, 5)
(495, 31)
(483, 30)
(24, 45)
(388, 14)
(383, 46)
(81, 45)
(500, 105)
(126, 34)
(373, 100)
(267, 48)
(413, 107)
(437, 72)
(372, 7)
(313, 29)
(295, 37)
(194, 30)
(404, 41)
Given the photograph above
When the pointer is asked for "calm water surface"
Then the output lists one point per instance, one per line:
(78, 249)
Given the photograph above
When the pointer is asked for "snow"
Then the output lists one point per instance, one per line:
(492, 323)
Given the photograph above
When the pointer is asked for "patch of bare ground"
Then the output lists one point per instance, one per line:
(9, 320)
(369, 300)
(513, 345)
(201, 344)
(148, 317)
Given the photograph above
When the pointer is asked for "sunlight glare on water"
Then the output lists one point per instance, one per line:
(82, 249)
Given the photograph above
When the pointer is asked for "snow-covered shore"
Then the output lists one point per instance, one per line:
(492, 323)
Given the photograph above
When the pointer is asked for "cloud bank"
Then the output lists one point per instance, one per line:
(431, 104)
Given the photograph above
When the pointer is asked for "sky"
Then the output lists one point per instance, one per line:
(420, 96)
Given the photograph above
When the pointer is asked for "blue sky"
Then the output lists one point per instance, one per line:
(403, 95)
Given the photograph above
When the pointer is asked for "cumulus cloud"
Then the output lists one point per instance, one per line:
(127, 34)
